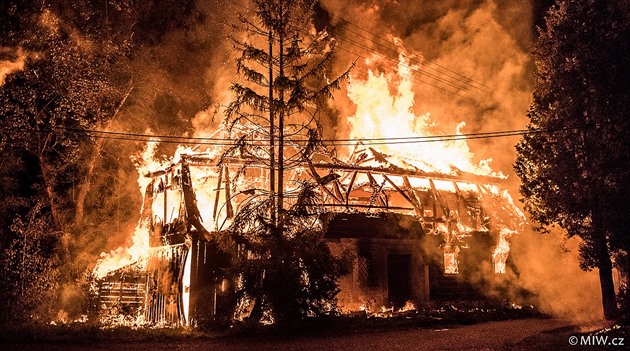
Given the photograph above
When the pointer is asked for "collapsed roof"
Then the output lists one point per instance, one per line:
(199, 191)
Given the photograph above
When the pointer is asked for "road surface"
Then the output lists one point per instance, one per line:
(523, 334)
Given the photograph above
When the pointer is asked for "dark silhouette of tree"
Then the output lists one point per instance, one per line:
(577, 175)
(30, 277)
(284, 264)
(78, 74)
(290, 273)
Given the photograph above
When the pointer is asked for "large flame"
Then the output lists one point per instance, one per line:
(139, 245)
(385, 114)
(384, 109)
(137, 248)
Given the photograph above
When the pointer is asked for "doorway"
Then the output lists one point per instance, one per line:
(399, 288)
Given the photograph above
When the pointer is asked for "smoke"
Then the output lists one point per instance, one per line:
(480, 71)
(542, 271)
(221, 71)
(11, 61)
(475, 68)
(547, 265)
(181, 78)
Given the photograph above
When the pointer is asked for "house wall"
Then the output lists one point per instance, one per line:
(385, 273)
(211, 296)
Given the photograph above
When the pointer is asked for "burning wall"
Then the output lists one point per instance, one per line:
(427, 219)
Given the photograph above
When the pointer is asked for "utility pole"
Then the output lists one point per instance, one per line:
(272, 148)
(281, 115)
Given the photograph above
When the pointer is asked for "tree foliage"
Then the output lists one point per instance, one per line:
(283, 262)
(575, 165)
(292, 273)
(284, 63)
(29, 279)
(77, 75)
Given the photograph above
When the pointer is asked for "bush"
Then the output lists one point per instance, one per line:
(28, 272)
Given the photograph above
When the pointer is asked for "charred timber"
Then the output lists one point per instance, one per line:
(203, 160)
(461, 175)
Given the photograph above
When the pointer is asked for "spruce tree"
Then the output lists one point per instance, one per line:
(283, 62)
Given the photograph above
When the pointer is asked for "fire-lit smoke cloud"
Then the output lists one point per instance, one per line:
(180, 80)
(473, 66)
(13, 64)
(548, 267)
(479, 72)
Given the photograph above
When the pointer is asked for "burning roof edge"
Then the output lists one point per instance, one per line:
(204, 159)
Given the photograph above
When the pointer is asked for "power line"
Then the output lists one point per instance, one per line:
(467, 86)
(233, 140)
(170, 139)
(408, 75)
(406, 65)
(466, 79)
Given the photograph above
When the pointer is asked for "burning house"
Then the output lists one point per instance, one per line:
(416, 235)
(421, 218)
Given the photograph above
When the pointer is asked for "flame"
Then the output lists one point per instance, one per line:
(382, 312)
(138, 250)
(501, 251)
(451, 265)
(139, 246)
(409, 306)
(384, 109)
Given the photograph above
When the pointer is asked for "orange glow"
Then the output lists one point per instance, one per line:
(383, 114)
(501, 251)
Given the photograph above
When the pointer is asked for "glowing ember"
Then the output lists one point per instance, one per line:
(365, 308)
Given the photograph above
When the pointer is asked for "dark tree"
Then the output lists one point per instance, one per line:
(286, 266)
(291, 274)
(68, 83)
(575, 163)
(29, 278)
(78, 75)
